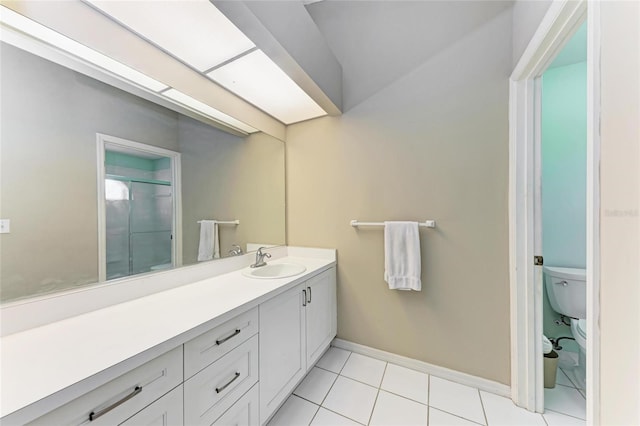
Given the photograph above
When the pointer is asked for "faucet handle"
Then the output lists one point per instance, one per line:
(236, 250)
(261, 254)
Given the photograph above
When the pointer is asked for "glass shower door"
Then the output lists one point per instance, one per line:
(151, 222)
(139, 218)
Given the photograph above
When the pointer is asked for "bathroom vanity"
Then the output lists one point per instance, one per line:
(228, 349)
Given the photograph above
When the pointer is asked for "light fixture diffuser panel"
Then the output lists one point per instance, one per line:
(194, 31)
(257, 79)
(53, 38)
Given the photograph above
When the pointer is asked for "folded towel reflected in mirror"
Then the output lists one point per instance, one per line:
(209, 247)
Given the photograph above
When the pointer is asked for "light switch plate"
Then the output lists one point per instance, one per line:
(5, 226)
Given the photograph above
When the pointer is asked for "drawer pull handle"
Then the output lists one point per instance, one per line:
(309, 301)
(235, 333)
(304, 298)
(93, 415)
(220, 389)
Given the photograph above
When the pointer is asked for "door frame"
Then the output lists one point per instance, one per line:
(104, 141)
(526, 293)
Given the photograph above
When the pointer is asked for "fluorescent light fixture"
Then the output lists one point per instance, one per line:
(194, 31)
(205, 109)
(25, 25)
(256, 78)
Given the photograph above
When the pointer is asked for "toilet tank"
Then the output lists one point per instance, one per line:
(567, 290)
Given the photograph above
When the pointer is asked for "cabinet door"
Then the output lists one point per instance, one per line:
(243, 413)
(320, 314)
(167, 411)
(282, 357)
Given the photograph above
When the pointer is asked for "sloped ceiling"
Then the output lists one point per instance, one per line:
(378, 42)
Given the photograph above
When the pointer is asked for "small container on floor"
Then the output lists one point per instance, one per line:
(550, 369)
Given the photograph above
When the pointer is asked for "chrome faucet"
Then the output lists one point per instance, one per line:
(260, 258)
(236, 250)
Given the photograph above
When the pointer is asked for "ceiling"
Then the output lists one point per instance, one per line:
(378, 42)
(186, 53)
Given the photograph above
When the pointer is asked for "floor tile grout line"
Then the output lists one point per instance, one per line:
(564, 414)
(403, 397)
(544, 419)
(377, 393)
(359, 381)
(345, 363)
(573, 382)
(342, 415)
(456, 415)
(567, 376)
(314, 414)
(335, 379)
(484, 412)
(374, 407)
(329, 391)
(334, 382)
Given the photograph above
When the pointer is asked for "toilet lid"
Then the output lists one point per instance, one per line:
(582, 328)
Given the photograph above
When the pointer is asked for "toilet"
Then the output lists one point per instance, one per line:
(579, 332)
(567, 291)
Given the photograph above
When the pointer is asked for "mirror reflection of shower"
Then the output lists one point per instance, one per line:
(138, 212)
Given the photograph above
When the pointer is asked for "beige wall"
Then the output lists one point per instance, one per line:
(432, 145)
(620, 217)
(236, 179)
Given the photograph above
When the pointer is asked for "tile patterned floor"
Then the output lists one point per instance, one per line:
(346, 388)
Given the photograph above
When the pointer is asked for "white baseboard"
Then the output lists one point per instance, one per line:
(414, 364)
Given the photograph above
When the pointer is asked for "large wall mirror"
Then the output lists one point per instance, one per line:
(51, 118)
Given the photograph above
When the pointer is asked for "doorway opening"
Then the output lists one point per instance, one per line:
(563, 185)
(137, 193)
(562, 21)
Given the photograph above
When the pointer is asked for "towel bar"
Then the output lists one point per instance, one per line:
(425, 224)
(224, 222)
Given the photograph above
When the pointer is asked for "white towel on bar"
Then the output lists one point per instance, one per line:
(402, 260)
(209, 247)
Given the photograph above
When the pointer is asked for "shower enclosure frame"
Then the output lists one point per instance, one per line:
(105, 142)
(525, 223)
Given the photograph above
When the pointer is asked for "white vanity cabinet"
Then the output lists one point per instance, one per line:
(121, 398)
(295, 329)
(238, 372)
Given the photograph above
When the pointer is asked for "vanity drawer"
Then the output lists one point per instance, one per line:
(122, 397)
(215, 389)
(208, 347)
(244, 412)
(167, 411)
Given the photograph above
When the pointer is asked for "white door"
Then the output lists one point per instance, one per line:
(282, 354)
(320, 324)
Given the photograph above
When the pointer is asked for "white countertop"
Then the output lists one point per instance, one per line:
(39, 362)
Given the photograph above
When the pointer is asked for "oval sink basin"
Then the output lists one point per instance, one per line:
(274, 270)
